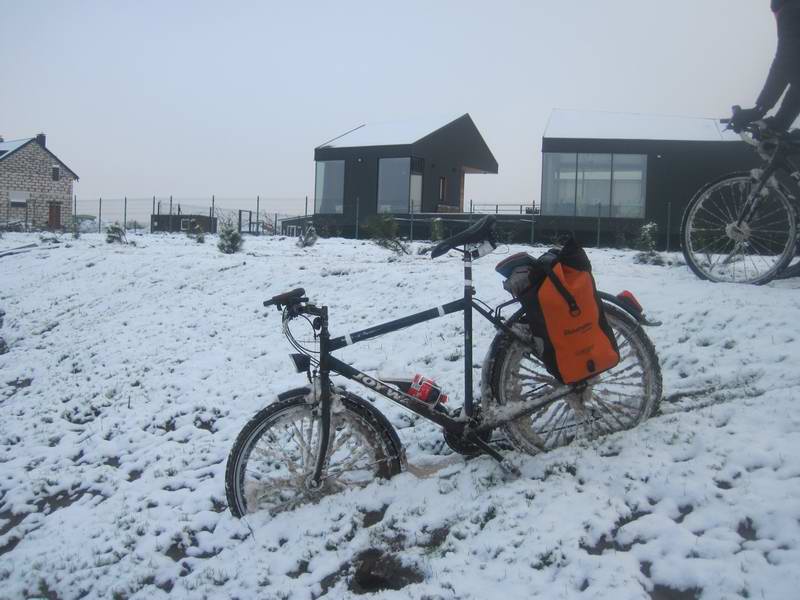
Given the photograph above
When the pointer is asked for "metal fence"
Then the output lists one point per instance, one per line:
(250, 215)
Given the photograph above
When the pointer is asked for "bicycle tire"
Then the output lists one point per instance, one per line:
(708, 207)
(529, 434)
(368, 428)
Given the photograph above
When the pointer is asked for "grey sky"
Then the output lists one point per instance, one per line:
(195, 98)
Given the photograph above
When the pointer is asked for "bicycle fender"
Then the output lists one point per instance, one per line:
(381, 419)
(628, 308)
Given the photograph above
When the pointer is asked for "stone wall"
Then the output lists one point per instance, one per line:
(30, 169)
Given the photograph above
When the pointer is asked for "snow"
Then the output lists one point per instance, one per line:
(8, 146)
(132, 369)
(572, 124)
(390, 133)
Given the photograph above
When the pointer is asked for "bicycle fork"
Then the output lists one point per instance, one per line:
(324, 382)
(753, 199)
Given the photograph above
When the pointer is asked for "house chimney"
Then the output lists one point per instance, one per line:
(40, 139)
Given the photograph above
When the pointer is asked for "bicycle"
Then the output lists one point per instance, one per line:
(742, 227)
(321, 438)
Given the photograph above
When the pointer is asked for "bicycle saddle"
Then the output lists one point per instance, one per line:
(479, 232)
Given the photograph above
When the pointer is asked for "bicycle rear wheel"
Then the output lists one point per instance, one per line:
(271, 464)
(615, 400)
(718, 249)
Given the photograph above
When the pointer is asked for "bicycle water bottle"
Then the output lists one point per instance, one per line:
(426, 390)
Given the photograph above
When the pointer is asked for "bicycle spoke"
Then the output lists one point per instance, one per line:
(610, 412)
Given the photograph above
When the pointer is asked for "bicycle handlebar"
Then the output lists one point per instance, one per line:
(294, 296)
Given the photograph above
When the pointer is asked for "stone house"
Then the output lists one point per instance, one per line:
(35, 185)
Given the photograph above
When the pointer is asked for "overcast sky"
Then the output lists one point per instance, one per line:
(230, 98)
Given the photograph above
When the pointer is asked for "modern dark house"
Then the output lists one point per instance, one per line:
(397, 168)
(627, 169)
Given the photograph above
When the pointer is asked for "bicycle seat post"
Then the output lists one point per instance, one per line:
(468, 292)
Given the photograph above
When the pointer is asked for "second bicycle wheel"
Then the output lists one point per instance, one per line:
(271, 464)
(615, 400)
(718, 248)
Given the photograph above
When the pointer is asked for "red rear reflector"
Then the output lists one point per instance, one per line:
(626, 295)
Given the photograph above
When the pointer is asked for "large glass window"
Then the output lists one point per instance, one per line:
(558, 184)
(630, 181)
(583, 184)
(394, 185)
(329, 188)
(593, 185)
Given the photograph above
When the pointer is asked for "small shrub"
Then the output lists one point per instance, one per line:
(646, 242)
(383, 230)
(309, 238)
(195, 232)
(648, 235)
(230, 240)
(437, 230)
(381, 227)
(115, 234)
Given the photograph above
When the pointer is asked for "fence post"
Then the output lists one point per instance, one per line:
(599, 208)
(99, 215)
(258, 219)
(470, 206)
(305, 216)
(170, 213)
(74, 213)
(533, 219)
(669, 224)
(411, 226)
(275, 227)
(125, 214)
(496, 208)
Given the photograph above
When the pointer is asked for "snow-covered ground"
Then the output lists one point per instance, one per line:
(132, 369)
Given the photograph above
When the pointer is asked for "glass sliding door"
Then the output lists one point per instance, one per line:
(558, 184)
(394, 175)
(593, 195)
(630, 182)
(329, 187)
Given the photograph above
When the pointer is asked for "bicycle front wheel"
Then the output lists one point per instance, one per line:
(271, 465)
(615, 400)
(719, 248)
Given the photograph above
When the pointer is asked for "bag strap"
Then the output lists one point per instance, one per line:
(574, 309)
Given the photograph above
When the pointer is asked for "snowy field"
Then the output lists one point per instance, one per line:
(132, 369)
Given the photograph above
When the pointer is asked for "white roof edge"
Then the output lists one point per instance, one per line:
(575, 124)
(391, 133)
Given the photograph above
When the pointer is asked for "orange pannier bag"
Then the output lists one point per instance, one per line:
(564, 311)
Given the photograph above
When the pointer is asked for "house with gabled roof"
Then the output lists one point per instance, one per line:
(35, 185)
(397, 168)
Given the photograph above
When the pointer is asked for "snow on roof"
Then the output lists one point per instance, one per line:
(9, 146)
(389, 133)
(571, 124)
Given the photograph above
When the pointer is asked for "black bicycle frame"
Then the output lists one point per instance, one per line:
(465, 304)
(781, 167)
